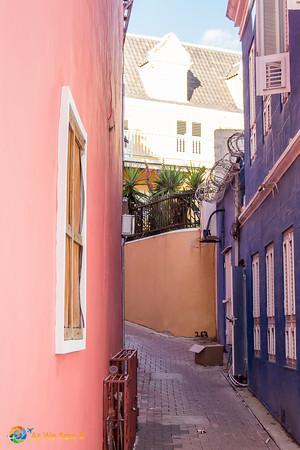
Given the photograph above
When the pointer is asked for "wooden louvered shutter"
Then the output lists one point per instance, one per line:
(74, 242)
(273, 61)
(196, 129)
(181, 127)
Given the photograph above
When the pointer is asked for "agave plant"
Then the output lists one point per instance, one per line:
(133, 177)
(194, 177)
(169, 181)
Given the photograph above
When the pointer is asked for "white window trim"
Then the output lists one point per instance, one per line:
(252, 87)
(267, 114)
(289, 296)
(256, 334)
(270, 281)
(256, 286)
(272, 70)
(67, 104)
(271, 340)
(289, 273)
(291, 342)
(253, 143)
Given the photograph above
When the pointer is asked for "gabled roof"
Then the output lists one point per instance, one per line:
(206, 78)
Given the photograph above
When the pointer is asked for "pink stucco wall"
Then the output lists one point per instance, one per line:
(45, 44)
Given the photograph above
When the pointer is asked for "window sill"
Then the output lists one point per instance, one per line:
(291, 364)
(70, 346)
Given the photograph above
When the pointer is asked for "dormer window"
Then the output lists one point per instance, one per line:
(165, 72)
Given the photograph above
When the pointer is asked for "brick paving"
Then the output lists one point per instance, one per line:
(186, 406)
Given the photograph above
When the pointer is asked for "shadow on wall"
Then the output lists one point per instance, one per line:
(192, 84)
(170, 283)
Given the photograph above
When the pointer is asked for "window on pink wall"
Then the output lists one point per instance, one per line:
(71, 229)
(74, 323)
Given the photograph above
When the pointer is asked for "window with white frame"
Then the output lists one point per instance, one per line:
(267, 114)
(196, 138)
(272, 41)
(255, 286)
(256, 333)
(256, 302)
(270, 301)
(71, 229)
(252, 102)
(188, 137)
(289, 297)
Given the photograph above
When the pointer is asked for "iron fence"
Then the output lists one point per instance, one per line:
(167, 213)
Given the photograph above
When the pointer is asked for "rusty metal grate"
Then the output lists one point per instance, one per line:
(120, 402)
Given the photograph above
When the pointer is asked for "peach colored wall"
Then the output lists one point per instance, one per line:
(170, 283)
(45, 44)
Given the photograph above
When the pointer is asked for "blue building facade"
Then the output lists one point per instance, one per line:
(261, 235)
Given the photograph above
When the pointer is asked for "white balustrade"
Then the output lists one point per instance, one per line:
(148, 147)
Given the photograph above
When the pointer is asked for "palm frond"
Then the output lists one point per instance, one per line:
(169, 181)
(195, 176)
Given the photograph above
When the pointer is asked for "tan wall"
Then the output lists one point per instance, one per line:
(170, 283)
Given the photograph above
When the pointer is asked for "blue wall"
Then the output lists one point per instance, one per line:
(276, 385)
(285, 119)
(224, 224)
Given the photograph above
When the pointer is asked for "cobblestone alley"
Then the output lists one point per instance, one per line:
(185, 406)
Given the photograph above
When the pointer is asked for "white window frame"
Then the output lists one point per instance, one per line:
(272, 70)
(289, 297)
(252, 102)
(290, 343)
(188, 143)
(67, 107)
(257, 340)
(196, 140)
(270, 281)
(289, 273)
(270, 288)
(256, 303)
(267, 114)
(271, 341)
(255, 286)
(252, 95)
(253, 143)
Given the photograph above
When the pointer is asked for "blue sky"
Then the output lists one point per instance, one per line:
(197, 21)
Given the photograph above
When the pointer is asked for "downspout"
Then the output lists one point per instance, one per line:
(127, 8)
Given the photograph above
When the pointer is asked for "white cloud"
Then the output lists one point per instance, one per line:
(220, 38)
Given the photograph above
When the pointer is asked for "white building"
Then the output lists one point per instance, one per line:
(177, 96)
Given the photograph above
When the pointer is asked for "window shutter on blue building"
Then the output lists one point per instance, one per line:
(273, 59)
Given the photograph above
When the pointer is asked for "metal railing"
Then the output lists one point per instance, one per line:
(172, 212)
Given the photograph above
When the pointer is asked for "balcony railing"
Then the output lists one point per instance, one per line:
(149, 147)
(172, 212)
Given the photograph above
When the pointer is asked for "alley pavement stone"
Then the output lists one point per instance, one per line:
(186, 406)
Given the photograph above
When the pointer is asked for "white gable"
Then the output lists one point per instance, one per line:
(164, 74)
(170, 50)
